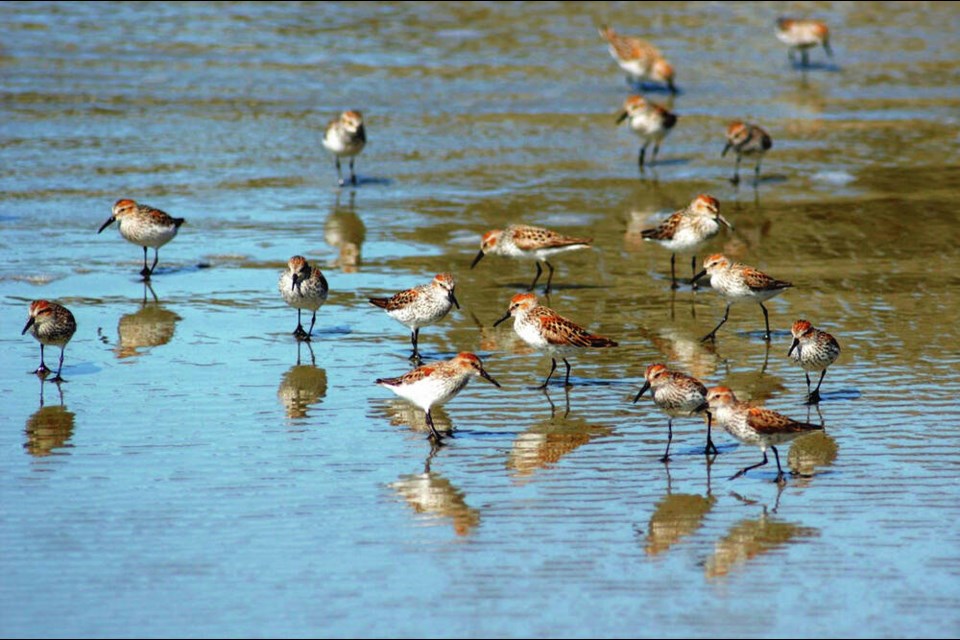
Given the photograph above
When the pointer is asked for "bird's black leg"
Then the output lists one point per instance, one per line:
(713, 334)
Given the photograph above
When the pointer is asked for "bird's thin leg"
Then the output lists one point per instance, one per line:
(656, 150)
(353, 176)
(713, 334)
(553, 367)
(156, 259)
(745, 469)
(781, 479)
(145, 272)
(566, 381)
(549, 276)
(736, 172)
(710, 446)
(414, 338)
(57, 377)
(666, 454)
(766, 322)
(643, 152)
(814, 398)
(339, 174)
(434, 434)
(673, 271)
(42, 369)
(313, 321)
(536, 277)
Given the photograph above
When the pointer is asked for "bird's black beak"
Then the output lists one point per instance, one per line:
(297, 279)
(723, 220)
(106, 224)
(28, 325)
(487, 376)
(502, 319)
(643, 389)
(725, 149)
(698, 276)
(796, 343)
(621, 117)
(453, 299)
(477, 259)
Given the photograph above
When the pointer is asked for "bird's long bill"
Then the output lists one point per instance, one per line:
(487, 376)
(106, 224)
(477, 259)
(453, 299)
(643, 389)
(725, 221)
(296, 282)
(621, 116)
(502, 319)
(671, 86)
(28, 325)
(698, 276)
(796, 343)
(725, 149)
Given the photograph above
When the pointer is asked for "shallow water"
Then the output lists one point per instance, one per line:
(202, 474)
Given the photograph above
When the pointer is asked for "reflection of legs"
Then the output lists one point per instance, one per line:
(553, 367)
(666, 454)
(713, 334)
(759, 464)
(673, 271)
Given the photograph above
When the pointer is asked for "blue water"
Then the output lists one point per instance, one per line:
(202, 474)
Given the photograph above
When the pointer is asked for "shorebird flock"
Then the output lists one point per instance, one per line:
(677, 394)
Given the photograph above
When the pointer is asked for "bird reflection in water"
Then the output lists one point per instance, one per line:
(434, 497)
(302, 386)
(677, 515)
(401, 413)
(811, 453)
(344, 230)
(150, 326)
(49, 428)
(542, 445)
(753, 537)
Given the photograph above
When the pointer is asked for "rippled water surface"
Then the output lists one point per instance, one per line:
(202, 474)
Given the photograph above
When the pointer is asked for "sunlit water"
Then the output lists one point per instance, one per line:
(201, 474)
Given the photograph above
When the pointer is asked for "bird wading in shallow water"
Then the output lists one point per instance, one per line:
(421, 306)
(738, 283)
(529, 243)
(648, 120)
(436, 383)
(52, 325)
(303, 287)
(640, 59)
(145, 226)
(345, 137)
(803, 35)
(760, 427)
(813, 350)
(679, 396)
(544, 329)
(747, 140)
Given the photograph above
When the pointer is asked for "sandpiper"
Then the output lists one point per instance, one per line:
(423, 305)
(143, 225)
(736, 283)
(814, 350)
(640, 59)
(688, 229)
(52, 325)
(746, 140)
(755, 425)
(544, 329)
(648, 120)
(679, 396)
(529, 243)
(436, 383)
(345, 137)
(802, 35)
(303, 287)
